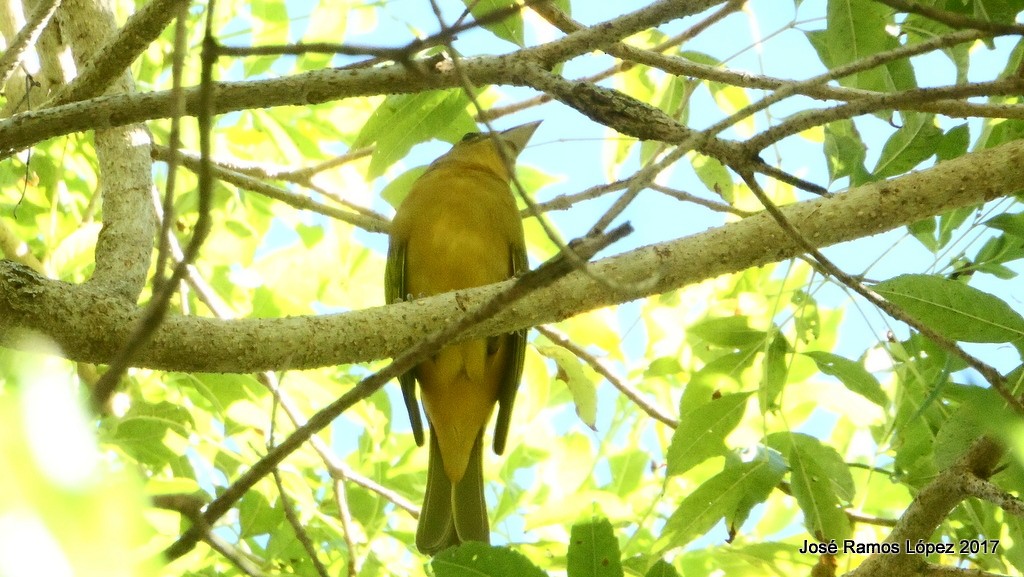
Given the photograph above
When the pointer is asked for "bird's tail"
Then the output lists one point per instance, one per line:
(453, 514)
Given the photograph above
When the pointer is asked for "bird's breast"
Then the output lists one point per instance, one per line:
(460, 237)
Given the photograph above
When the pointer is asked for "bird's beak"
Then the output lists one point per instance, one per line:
(520, 135)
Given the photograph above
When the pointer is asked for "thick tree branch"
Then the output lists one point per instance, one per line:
(325, 85)
(88, 325)
(308, 88)
(929, 508)
(120, 50)
(26, 37)
(129, 223)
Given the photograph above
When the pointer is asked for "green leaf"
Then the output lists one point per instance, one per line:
(509, 28)
(920, 29)
(396, 190)
(663, 366)
(853, 376)
(845, 152)
(629, 468)
(570, 371)
(700, 58)
(914, 142)
(75, 251)
(820, 481)
(721, 373)
(662, 569)
(310, 235)
(713, 174)
(733, 332)
(984, 412)
(593, 550)
(256, 516)
(1015, 529)
(769, 467)
(1008, 223)
(857, 29)
(953, 309)
(258, 65)
(712, 501)
(808, 322)
(142, 430)
(404, 120)
(328, 22)
(954, 143)
(950, 221)
(68, 506)
(996, 133)
(701, 432)
(1002, 248)
(472, 559)
(924, 231)
(775, 370)
(270, 22)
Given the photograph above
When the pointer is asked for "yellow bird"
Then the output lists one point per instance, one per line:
(459, 228)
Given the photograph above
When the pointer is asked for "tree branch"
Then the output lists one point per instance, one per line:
(88, 325)
(929, 508)
(17, 47)
(117, 54)
(125, 169)
(320, 86)
(192, 162)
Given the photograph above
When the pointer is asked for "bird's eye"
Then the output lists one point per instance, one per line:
(470, 136)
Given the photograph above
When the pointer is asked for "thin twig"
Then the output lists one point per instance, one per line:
(953, 19)
(370, 223)
(869, 519)
(559, 19)
(623, 387)
(345, 515)
(269, 380)
(710, 204)
(861, 65)
(987, 371)
(27, 36)
(300, 531)
(286, 506)
(306, 173)
(397, 54)
(989, 491)
(190, 507)
(173, 140)
(306, 177)
(567, 201)
(888, 101)
(524, 285)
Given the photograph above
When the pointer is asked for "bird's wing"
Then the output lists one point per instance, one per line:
(517, 353)
(394, 291)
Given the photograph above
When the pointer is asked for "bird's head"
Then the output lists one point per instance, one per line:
(482, 149)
